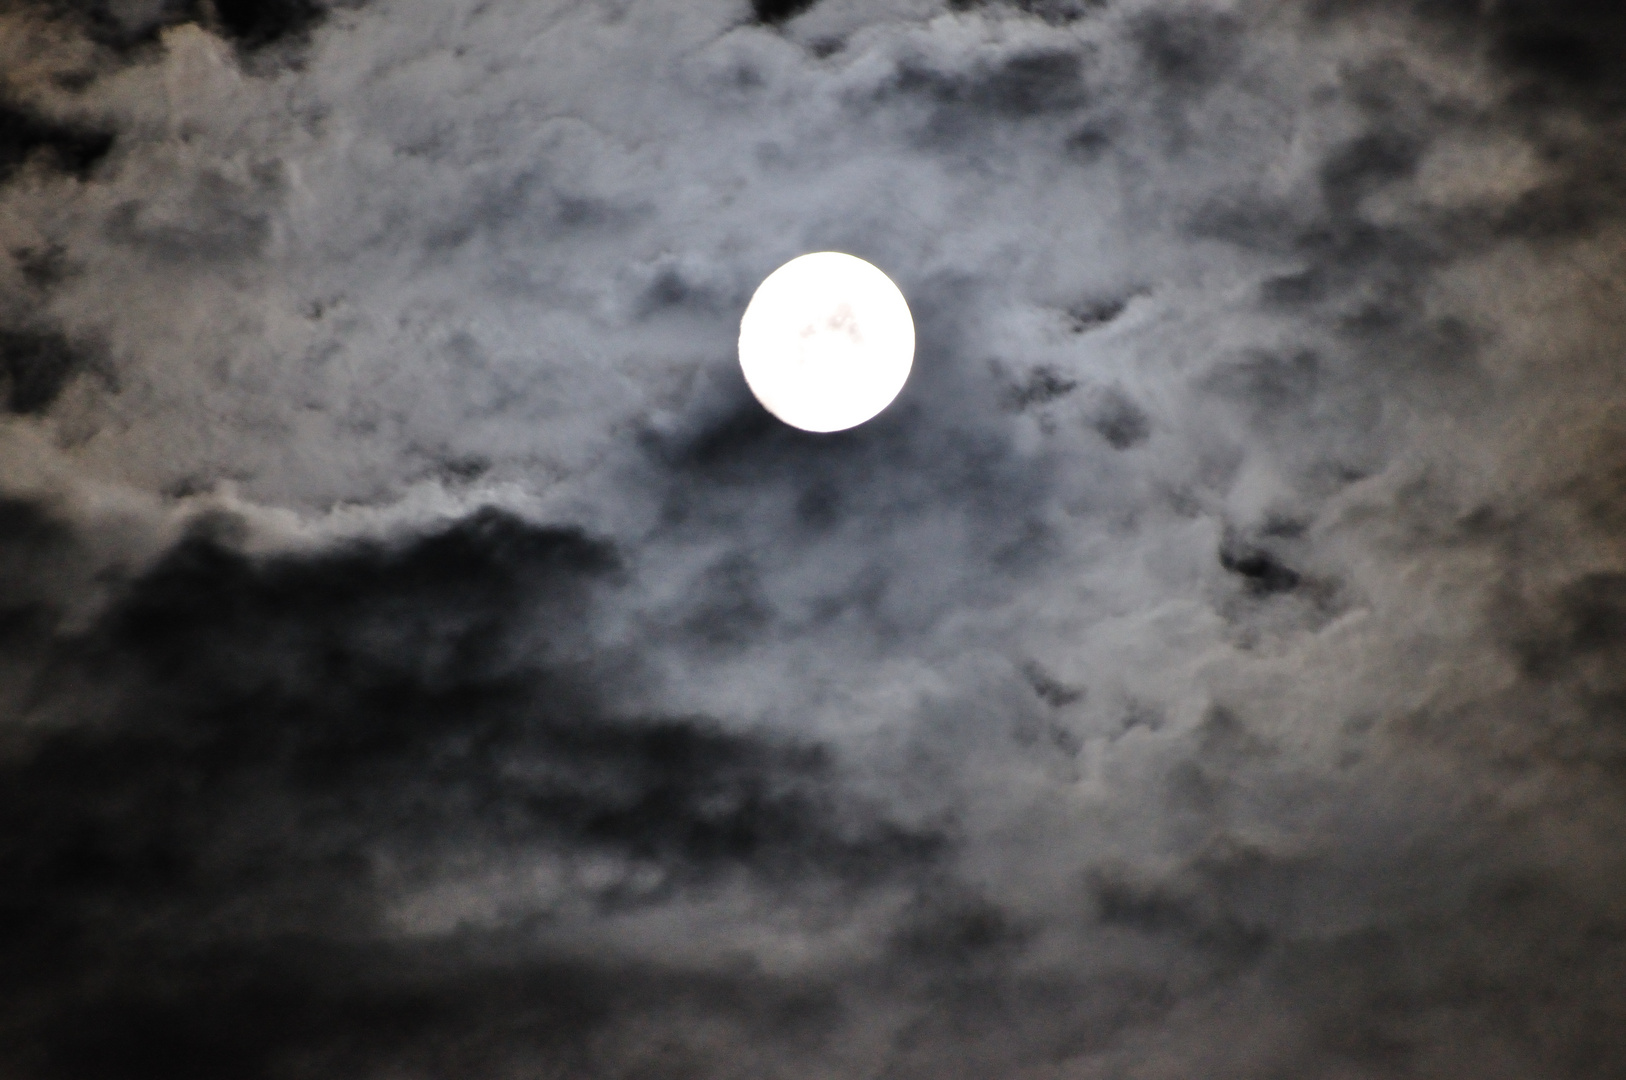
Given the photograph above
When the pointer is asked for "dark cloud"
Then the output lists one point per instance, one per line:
(287, 1006)
(124, 24)
(224, 219)
(42, 268)
(257, 23)
(1090, 314)
(1261, 572)
(1026, 84)
(354, 672)
(773, 12)
(193, 869)
(1051, 691)
(27, 136)
(1570, 49)
(35, 546)
(1158, 910)
(1120, 421)
(1042, 385)
(1054, 12)
(127, 25)
(34, 368)
(1555, 57)
(1187, 50)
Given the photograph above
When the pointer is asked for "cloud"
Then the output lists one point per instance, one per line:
(292, 761)
(420, 653)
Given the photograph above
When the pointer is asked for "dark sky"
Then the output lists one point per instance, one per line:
(420, 659)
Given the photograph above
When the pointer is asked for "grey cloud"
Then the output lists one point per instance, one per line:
(220, 222)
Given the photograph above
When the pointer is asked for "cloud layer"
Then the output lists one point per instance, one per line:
(419, 655)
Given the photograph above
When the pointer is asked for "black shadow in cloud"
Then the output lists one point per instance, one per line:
(35, 367)
(27, 136)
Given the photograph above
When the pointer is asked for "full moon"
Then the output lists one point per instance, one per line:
(826, 342)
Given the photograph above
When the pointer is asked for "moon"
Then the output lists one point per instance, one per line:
(826, 342)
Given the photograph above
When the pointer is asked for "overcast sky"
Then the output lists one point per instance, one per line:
(421, 659)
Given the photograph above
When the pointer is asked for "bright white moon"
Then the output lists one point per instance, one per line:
(826, 342)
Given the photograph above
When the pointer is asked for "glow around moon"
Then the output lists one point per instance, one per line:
(827, 342)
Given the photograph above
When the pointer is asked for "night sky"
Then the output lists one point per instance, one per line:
(422, 659)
